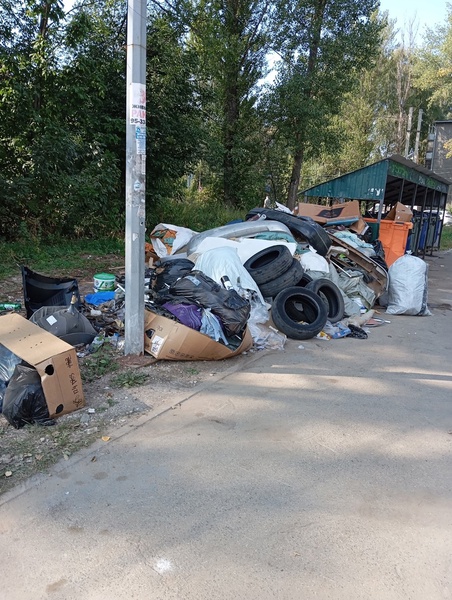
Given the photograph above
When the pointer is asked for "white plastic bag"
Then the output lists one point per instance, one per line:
(217, 262)
(168, 239)
(408, 286)
(312, 261)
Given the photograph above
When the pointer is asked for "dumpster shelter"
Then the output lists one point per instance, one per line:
(380, 186)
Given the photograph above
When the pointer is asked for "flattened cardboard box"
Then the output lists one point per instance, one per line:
(54, 360)
(329, 214)
(166, 339)
(399, 212)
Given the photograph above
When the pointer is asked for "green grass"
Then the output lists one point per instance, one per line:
(63, 257)
(446, 238)
(198, 214)
(129, 379)
(99, 363)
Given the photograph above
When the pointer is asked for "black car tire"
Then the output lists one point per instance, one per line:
(269, 263)
(331, 296)
(304, 227)
(299, 313)
(287, 279)
(304, 280)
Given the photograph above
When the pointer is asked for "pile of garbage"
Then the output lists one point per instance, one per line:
(274, 275)
(304, 277)
(208, 296)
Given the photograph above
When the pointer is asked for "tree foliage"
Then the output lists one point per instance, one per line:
(433, 69)
(323, 45)
(231, 39)
(339, 100)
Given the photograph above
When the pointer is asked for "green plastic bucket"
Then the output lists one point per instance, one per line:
(104, 282)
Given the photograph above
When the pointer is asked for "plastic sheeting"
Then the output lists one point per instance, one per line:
(218, 262)
(245, 247)
(349, 287)
(236, 230)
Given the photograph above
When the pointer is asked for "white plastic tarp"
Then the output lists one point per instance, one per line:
(218, 262)
(246, 247)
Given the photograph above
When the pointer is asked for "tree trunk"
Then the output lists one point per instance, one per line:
(230, 127)
(42, 35)
(316, 30)
(294, 184)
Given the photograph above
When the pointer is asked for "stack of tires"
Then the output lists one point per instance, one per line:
(300, 306)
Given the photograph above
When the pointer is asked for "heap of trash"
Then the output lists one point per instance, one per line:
(310, 273)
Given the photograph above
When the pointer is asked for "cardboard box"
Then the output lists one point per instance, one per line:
(55, 361)
(399, 212)
(168, 340)
(359, 227)
(346, 213)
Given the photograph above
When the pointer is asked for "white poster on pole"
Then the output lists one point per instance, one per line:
(138, 104)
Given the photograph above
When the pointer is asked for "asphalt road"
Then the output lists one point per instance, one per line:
(320, 472)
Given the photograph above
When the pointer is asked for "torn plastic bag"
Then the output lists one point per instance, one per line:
(40, 290)
(24, 402)
(99, 298)
(211, 326)
(232, 310)
(8, 362)
(169, 271)
(168, 239)
(311, 261)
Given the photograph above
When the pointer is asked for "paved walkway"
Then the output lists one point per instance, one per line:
(322, 472)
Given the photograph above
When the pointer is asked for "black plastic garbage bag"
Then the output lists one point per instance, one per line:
(232, 310)
(8, 362)
(168, 272)
(40, 290)
(24, 401)
(2, 393)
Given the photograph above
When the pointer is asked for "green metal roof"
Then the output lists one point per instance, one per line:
(374, 182)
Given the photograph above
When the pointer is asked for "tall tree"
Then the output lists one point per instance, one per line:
(323, 45)
(231, 38)
(175, 133)
(433, 69)
(27, 82)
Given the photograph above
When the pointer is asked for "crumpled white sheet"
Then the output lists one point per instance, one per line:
(246, 247)
(217, 262)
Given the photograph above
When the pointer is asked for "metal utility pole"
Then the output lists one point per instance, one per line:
(408, 132)
(135, 176)
(418, 136)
